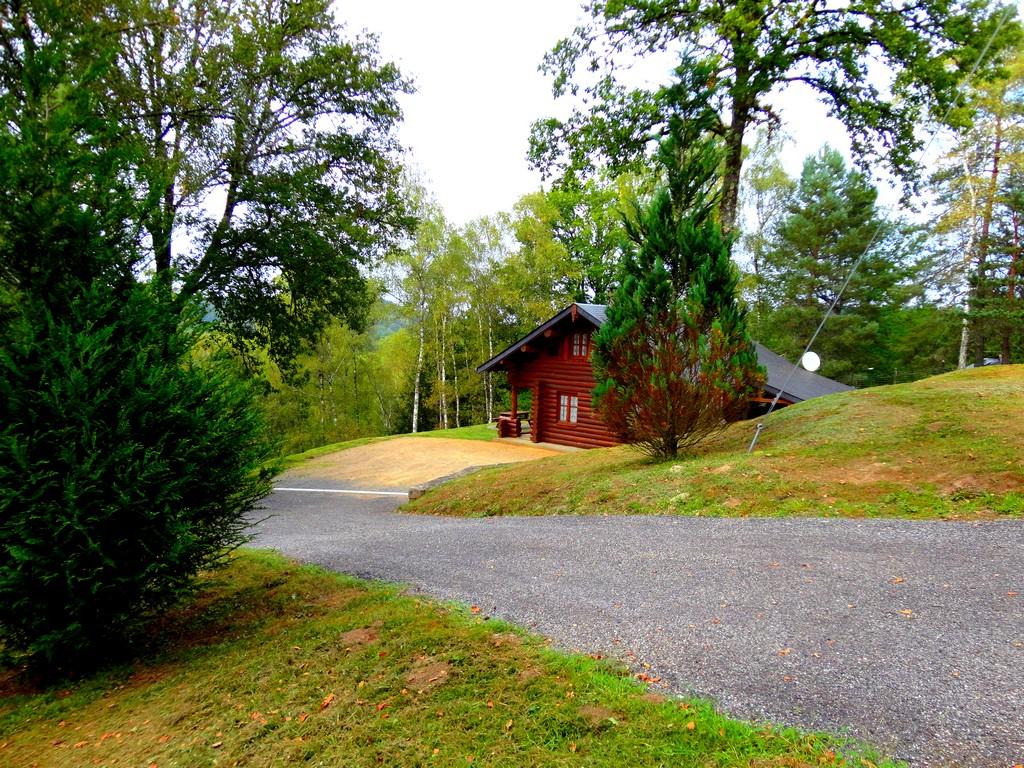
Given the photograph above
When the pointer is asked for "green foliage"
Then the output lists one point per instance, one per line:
(264, 164)
(830, 221)
(128, 453)
(346, 385)
(126, 466)
(674, 362)
(755, 49)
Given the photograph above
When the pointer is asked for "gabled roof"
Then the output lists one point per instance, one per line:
(595, 313)
(795, 383)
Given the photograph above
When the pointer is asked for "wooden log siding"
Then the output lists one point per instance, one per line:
(551, 372)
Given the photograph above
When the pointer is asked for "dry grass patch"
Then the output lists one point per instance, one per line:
(945, 447)
(372, 678)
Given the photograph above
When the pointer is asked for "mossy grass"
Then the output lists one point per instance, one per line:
(945, 447)
(274, 664)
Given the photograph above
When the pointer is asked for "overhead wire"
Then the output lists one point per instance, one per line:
(1007, 15)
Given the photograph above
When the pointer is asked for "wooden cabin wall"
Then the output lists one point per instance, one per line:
(549, 372)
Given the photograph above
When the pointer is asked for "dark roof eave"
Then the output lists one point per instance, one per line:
(495, 361)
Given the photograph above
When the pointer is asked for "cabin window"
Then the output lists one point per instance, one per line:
(580, 344)
(568, 408)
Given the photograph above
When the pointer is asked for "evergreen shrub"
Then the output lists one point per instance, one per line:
(127, 464)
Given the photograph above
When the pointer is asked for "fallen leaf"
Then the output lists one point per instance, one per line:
(328, 700)
(896, 580)
(303, 716)
(691, 725)
(382, 704)
(508, 726)
(1012, 593)
(81, 744)
(785, 651)
(217, 745)
(906, 612)
(437, 751)
(490, 704)
(474, 609)
(572, 746)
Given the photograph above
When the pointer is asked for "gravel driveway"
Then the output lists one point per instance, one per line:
(908, 635)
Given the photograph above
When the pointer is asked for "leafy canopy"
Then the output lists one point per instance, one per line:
(266, 169)
(879, 66)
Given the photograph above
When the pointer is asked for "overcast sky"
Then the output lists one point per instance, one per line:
(474, 63)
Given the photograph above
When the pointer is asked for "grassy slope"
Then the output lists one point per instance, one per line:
(475, 432)
(276, 664)
(949, 446)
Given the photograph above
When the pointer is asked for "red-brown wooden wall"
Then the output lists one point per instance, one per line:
(549, 371)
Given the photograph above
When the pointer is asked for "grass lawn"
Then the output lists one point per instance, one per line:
(951, 446)
(274, 664)
(474, 432)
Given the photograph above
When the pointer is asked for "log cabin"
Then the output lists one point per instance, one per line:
(552, 363)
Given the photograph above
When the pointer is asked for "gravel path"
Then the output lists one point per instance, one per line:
(908, 635)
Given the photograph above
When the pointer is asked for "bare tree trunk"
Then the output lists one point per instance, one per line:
(419, 374)
(455, 384)
(965, 327)
(986, 223)
(1011, 292)
(323, 406)
(442, 373)
(489, 381)
(965, 337)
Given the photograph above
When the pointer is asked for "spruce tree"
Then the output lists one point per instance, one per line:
(674, 362)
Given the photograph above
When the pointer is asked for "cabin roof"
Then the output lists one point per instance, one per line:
(793, 382)
(595, 313)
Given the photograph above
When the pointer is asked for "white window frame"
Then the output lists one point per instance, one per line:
(568, 408)
(580, 345)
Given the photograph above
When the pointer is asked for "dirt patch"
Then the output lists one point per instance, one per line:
(596, 715)
(407, 461)
(527, 674)
(427, 674)
(360, 636)
(654, 698)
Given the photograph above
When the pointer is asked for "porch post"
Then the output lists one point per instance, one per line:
(516, 429)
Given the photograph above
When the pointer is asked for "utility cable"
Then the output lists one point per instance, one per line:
(1007, 15)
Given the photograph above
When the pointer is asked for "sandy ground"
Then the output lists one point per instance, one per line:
(407, 461)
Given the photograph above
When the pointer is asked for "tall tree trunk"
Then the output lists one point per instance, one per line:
(455, 386)
(965, 337)
(741, 109)
(969, 252)
(488, 380)
(1011, 293)
(983, 243)
(442, 374)
(419, 373)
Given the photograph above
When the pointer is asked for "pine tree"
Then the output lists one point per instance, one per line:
(674, 361)
(831, 221)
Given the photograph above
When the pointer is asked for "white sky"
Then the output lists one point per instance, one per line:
(474, 63)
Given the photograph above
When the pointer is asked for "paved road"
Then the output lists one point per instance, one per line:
(909, 635)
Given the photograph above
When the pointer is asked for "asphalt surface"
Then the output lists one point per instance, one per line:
(908, 635)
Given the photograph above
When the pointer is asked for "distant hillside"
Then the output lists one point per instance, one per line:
(948, 446)
(388, 320)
